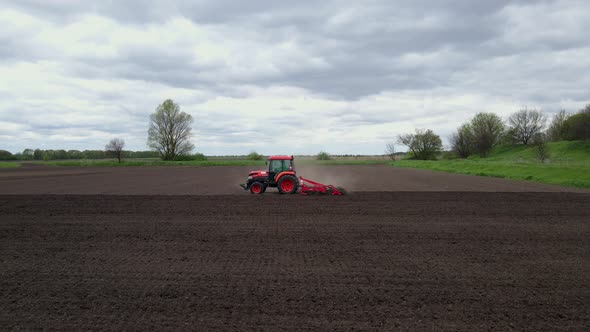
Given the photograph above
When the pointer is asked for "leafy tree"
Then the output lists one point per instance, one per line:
(487, 129)
(585, 110)
(38, 154)
(423, 144)
(28, 154)
(5, 155)
(578, 127)
(557, 130)
(462, 141)
(170, 131)
(526, 124)
(115, 148)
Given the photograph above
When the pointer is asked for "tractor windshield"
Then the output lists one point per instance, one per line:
(277, 166)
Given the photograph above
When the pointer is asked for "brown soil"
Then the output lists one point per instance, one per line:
(383, 260)
(225, 180)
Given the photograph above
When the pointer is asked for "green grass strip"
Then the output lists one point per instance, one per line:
(9, 165)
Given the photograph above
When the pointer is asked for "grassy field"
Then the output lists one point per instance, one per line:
(220, 162)
(569, 164)
(114, 163)
(336, 161)
(8, 164)
(211, 161)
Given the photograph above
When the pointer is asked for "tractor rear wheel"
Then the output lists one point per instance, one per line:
(288, 184)
(257, 188)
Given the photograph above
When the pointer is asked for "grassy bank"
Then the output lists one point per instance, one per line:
(561, 153)
(569, 164)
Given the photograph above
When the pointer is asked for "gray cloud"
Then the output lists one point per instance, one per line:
(362, 68)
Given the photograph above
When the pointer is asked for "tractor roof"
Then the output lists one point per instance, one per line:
(280, 158)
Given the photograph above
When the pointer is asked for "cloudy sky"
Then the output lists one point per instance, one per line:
(339, 76)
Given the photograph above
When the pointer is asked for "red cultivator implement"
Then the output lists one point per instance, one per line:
(309, 187)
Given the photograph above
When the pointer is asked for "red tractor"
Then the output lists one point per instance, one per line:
(281, 174)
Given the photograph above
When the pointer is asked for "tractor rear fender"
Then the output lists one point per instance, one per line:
(281, 174)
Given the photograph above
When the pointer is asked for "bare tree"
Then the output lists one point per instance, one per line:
(526, 124)
(115, 148)
(390, 151)
(487, 129)
(423, 144)
(170, 131)
(462, 141)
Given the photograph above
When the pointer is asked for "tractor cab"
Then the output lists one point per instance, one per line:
(279, 164)
(280, 174)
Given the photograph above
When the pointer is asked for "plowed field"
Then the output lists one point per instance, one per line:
(224, 180)
(427, 260)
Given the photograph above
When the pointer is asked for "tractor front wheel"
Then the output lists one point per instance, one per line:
(257, 188)
(288, 184)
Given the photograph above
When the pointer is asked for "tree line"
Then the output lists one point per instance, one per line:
(39, 154)
(485, 131)
(169, 135)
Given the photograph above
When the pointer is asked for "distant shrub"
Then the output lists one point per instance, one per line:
(184, 157)
(323, 156)
(254, 156)
(409, 156)
(142, 154)
(449, 155)
(542, 150)
(199, 157)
